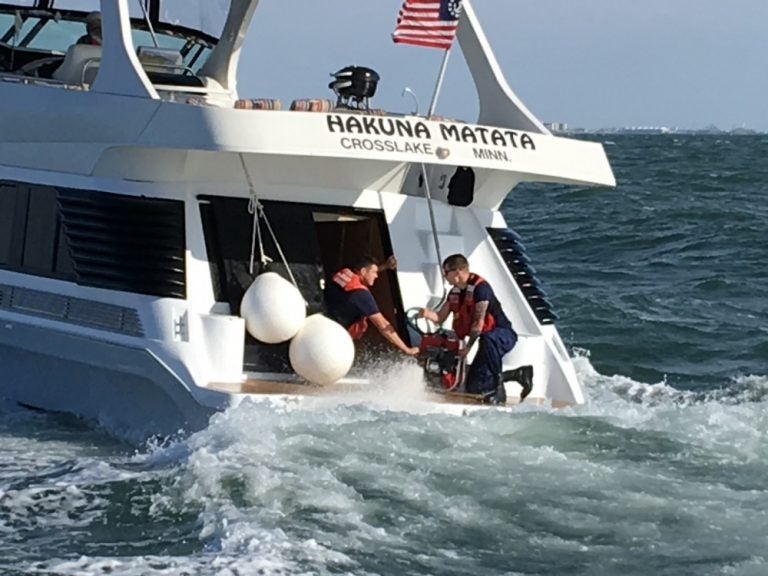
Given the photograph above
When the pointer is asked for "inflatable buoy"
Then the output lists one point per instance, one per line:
(273, 309)
(322, 351)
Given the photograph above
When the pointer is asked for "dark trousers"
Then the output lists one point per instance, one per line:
(483, 375)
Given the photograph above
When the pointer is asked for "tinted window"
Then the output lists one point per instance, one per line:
(7, 209)
(41, 234)
(57, 36)
(29, 228)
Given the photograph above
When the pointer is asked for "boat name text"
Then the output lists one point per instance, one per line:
(407, 128)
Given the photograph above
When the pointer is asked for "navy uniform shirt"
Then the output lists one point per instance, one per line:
(484, 293)
(348, 307)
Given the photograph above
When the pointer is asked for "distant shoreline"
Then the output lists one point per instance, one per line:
(564, 129)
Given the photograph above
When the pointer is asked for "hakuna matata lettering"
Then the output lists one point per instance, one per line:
(447, 132)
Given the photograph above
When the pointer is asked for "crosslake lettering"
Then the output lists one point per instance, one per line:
(384, 145)
(351, 125)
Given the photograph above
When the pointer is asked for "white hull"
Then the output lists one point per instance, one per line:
(163, 365)
(125, 232)
(132, 395)
(125, 390)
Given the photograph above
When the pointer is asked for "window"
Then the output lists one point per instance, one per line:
(7, 209)
(30, 239)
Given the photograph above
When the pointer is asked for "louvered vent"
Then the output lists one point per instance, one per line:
(125, 243)
(72, 310)
(512, 250)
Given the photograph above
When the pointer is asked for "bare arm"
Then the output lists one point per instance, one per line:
(388, 331)
(436, 316)
(478, 319)
(390, 264)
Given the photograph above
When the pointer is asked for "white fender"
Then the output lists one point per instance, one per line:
(322, 352)
(273, 309)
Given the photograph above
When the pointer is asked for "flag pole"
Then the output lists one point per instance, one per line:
(439, 84)
(425, 174)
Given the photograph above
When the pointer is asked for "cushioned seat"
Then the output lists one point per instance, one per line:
(80, 65)
(259, 104)
(313, 105)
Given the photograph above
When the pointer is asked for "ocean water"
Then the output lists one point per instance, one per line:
(662, 290)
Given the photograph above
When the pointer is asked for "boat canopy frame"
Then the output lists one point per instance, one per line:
(139, 23)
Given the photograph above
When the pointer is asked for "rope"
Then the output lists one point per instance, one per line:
(257, 209)
(279, 249)
(254, 206)
(432, 220)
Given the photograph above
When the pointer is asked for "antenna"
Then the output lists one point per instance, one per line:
(407, 90)
(148, 20)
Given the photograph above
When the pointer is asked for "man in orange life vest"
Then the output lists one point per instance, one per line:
(349, 301)
(477, 314)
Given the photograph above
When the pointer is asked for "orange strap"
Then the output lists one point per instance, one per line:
(350, 282)
(464, 310)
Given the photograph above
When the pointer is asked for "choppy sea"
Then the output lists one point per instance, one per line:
(662, 289)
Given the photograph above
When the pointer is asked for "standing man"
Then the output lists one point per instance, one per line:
(349, 301)
(477, 314)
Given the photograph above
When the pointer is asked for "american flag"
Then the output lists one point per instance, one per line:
(430, 23)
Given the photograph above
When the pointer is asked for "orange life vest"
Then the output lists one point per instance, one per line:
(464, 310)
(351, 282)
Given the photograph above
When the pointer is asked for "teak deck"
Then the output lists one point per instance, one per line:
(274, 387)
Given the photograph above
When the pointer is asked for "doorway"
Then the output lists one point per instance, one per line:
(316, 242)
(343, 237)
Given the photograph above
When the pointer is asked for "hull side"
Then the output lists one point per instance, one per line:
(124, 390)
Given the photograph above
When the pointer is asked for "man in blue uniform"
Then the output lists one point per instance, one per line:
(477, 315)
(349, 302)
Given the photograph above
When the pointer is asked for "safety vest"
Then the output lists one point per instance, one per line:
(351, 282)
(464, 310)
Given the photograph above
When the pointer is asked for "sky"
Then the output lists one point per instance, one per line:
(588, 63)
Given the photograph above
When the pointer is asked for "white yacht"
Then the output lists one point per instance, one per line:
(134, 180)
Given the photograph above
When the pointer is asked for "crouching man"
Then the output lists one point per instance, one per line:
(477, 314)
(349, 302)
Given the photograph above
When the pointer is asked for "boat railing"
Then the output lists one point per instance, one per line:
(174, 87)
(198, 91)
(327, 105)
(13, 78)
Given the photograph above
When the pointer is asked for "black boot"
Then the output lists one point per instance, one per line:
(501, 394)
(523, 376)
(496, 396)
